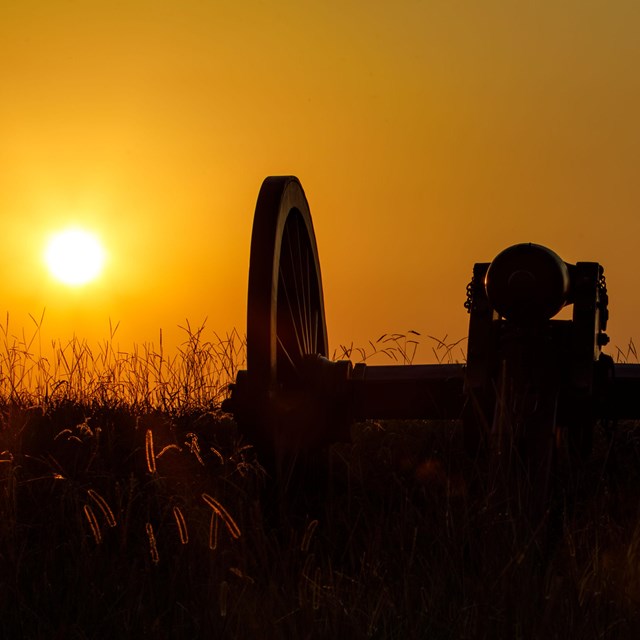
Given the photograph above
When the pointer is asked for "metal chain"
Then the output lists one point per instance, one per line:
(470, 291)
(603, 299)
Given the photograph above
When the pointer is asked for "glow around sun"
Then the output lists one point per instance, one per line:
(74, 256)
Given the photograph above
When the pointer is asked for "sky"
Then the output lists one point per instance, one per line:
(427, 134)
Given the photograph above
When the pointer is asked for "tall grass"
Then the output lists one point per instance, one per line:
(193, 377)
(402, 348)
(131, 507)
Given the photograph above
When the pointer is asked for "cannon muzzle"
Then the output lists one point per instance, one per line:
(527, 283)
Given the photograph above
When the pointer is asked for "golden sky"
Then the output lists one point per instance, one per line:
(428, 135)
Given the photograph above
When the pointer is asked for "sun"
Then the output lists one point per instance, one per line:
(74, 256)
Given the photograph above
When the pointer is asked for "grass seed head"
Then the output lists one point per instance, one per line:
(93, 523)
(224, 515)
(153, 547)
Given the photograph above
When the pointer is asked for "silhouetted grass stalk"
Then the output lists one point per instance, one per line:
(196, 376)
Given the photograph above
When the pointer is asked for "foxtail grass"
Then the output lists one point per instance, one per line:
(132, 509)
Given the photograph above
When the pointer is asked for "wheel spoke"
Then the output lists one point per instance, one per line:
(297, 274)
(304, 306)
(315, 331)
(283, 282)
(286, 353)
(309, 313)
(296, 282)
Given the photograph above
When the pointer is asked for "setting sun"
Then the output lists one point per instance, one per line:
(74, 256)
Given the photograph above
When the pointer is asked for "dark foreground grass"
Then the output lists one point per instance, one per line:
(131, 508)
(118, 524)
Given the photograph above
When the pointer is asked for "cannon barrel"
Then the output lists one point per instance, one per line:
(528, 283)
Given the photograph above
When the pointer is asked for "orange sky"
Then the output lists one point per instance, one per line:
(427, 134)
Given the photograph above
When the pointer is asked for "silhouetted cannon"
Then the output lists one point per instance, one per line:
(530, 380)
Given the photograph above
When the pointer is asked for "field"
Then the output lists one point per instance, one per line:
(131, 507)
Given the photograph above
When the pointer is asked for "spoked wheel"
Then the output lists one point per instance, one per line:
(285, 402)
(286, 319)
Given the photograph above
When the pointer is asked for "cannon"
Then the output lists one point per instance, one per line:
(529, 380)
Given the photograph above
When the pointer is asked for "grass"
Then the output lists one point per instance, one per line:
(131, 508)
(195, 377)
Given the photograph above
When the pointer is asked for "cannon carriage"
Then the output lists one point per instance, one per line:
(530, 380)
